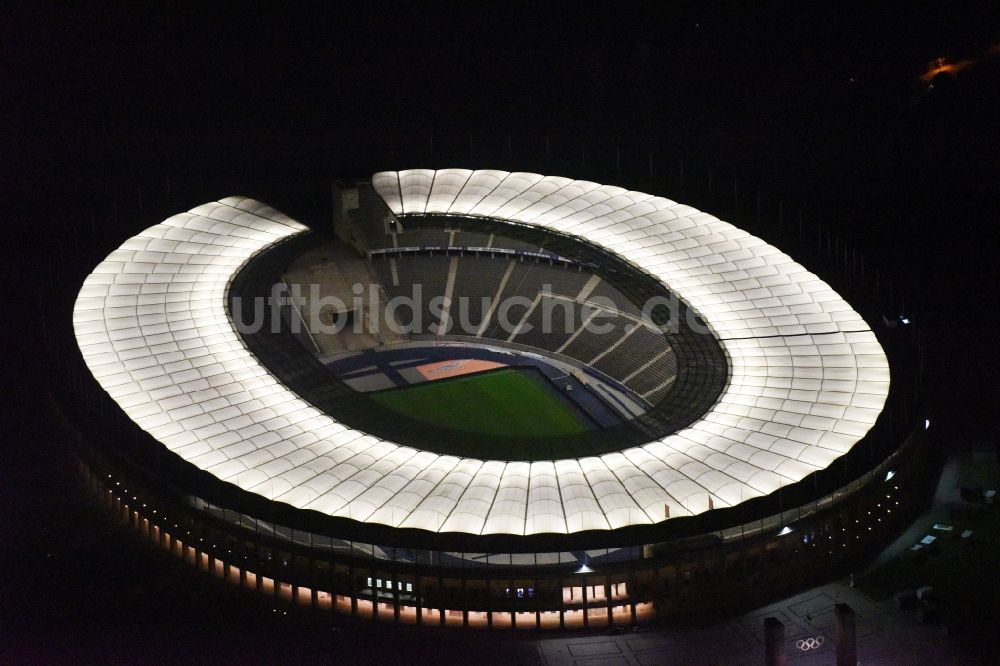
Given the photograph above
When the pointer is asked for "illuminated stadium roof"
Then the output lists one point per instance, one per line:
(808, 378)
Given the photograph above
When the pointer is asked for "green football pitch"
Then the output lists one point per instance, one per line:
(505, 403)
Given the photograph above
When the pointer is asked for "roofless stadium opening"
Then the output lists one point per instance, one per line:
(594, 372)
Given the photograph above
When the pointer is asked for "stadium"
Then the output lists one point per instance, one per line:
(490, 399)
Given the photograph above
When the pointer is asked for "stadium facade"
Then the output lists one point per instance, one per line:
(756, 457)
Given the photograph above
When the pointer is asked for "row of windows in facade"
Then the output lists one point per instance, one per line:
(388, 585)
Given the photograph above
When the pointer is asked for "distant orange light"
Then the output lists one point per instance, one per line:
(942, 66)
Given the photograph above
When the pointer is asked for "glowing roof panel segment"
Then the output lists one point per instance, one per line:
(808, 378)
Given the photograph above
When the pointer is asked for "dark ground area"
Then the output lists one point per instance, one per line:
(115, 116)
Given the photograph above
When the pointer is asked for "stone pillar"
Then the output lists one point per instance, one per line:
(465, 603)
(442, 611)
(631, 592)
(538, 605)
(774, 642)
(607, 599)
(847, 638)
(515, 605)
(395, 596)
(418, 591)
(353, 590)
(314, 579)
(562, 605)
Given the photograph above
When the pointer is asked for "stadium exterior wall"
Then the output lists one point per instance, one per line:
(739, 568)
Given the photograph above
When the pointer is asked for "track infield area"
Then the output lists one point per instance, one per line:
(504, 403)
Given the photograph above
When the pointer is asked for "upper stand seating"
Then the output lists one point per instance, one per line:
(604, 292)
(423, 238)
(477, 278)
(564, 317)
(472, 239)
(602, 331)
(614, 341)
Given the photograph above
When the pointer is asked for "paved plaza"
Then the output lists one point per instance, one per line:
(885, 636)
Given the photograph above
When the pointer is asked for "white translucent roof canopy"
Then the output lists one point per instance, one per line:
(808, 378)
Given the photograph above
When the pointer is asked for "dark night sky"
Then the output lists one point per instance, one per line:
(769, 90)
(681, 72)
(817, 105)
(820, 106)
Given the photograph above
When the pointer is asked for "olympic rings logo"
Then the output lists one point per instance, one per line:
(806, 644)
